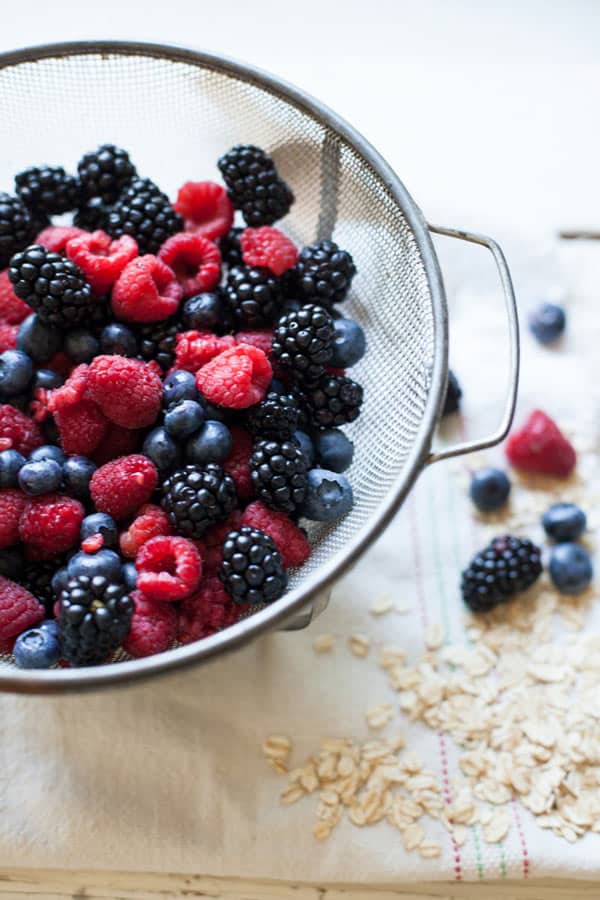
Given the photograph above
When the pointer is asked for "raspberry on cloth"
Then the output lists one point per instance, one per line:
(540, 446)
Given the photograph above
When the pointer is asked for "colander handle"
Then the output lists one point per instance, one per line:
(514, 342)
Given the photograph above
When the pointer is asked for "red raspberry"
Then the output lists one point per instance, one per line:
(261, 338)
(211, 546)
(153, 627)
(12, 309)
(18, 431)
(50, 524)
(12, 504)
(121, 486)
(72, 391)
(290, 540)
(150, 521)
(8, 336)
(207, 611)
(127, 391)
(237, 378)
(195, 260)
(100, 258)
(237, 463)
(195, 348)
(169, 568)
(56, 237)
(539, 446)
(118, 441)
(19, 610)
(206, 208)
(81, 427)
(38, 405)
(268, 247)
(146, 291)
(61, 364)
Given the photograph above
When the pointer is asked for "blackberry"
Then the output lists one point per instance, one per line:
(254, 186)
(324, 272)
(507, 566)
(94, 616)
(17, 228)
(333, 400)
(105, 172)
(157, 341)
(453, 395)
(229, 245)
(52, 285)
(92, 216)
(196, 497)
(48, 189)
(303, 342)
(275, 417)
(252, 571)
(144, 212)
(279, 474)
(37, 578)
(253, 296)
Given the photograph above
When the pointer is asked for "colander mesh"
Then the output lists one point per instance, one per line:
(176, 119)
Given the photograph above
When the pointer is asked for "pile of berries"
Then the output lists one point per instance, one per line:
(172, 391)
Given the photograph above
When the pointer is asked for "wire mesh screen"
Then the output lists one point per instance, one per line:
(176, 119)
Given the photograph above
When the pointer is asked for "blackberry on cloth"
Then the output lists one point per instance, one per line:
(507, 566)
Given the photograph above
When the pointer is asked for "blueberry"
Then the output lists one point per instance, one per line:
(41, 477)
(211, 444)
(129, 576)
(349, 343)
(101, 523)
(37, 648)
(81, 346)
(118, 340)
(10, 463)
(46, 378)
(103, 562)
(77, 474)
(16, 370)
(202, 312)
(160, 447)
(489, 489)
(564, 522)
(328, 496)
(547, 322)
(179, 385)
(39, 341)
(307, 446)
(184, 418)
(51, 626)
(570, 568)
(333, 449)
(59, 580)
(11, 563)
(48, 451)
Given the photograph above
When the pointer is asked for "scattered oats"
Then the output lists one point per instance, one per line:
(411, 762)
(413, 836)
(277, 749)
(392, 657)
(429, 850)
(291, 794)
(322, 830)
(359, 645)
(380, 716)
(498, 827)
(346, 766)
(382, 605)
(434, 636)
(323, 643)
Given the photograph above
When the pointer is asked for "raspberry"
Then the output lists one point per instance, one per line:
(38, 405)
(127, 391)
(268, 247)
(100, 258)
(207, 611)
(8, 336)
(18, 431)
(12, 309)
(51, 523)
(56, 237)
(290, 540)
(121, 486)
(146, 291)
(206, 208)
(169, 568)
(72, 391)
(237, 463)
(150, 521)
(12, 504)
(261, 338)
(153, 627)
(540, 446)
(81, 427)
(19, 610)
(195, 348)
(211, 545)
(117, 442)
(237, 378)
(195, 260)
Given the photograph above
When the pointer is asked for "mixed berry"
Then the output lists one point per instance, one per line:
(173, 389)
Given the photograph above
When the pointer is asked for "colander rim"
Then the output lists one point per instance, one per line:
(323, 578)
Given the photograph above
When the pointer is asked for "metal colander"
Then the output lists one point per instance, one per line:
(177, 111)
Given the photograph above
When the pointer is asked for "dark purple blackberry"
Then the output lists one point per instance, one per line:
(453, 395)
(105, 172)
(17, 228)
(229, 245)
(333, 400)
(48, 189)
(278, 470)
(53, 286)
(507, 566)
(253, 296)
(157, 341)
(252, 571)
(253, 185)
(303, 342)
(144, 212)
(276, 417)
(92, 216)
(324, 272)
(94, 617)
(196, 497)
